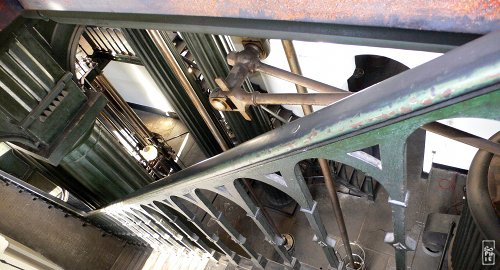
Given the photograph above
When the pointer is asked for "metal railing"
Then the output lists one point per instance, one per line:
(461, 83)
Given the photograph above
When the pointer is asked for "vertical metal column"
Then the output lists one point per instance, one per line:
(166, 52)
(155, 63)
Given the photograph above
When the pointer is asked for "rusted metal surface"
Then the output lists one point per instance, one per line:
(293, 63)
(467, 16)
(9, 11)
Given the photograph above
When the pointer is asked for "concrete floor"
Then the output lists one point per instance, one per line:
(367, 221)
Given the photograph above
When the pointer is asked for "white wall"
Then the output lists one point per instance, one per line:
(329, 63)
(451, 153)
(135, 85)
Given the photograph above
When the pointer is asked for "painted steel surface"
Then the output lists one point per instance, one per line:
(461, 83)
(465, 16)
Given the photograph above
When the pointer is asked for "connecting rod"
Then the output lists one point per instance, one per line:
(323, 163)
(231, 97)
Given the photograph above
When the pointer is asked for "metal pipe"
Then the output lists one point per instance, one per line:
(446, 245)
(297, 79)
(323, 163)
(126, 125)
(479, 198)
(101, 79)
(293, 62)
(463, 137)
(258, 98)
(275, 115)
(155, 35)
(337, 210)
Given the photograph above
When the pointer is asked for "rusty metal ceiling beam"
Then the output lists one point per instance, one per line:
(452, 16)
(420, 24)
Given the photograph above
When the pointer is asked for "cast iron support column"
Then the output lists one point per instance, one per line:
(157, 66)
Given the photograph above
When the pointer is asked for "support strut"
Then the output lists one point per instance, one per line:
(231, 97)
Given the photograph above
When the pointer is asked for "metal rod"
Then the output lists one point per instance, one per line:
(275, 115)
(293, 62)
(155, 35)
(337, 210)
(447, 244)
(463, 137)
(136, 121)
(258, 98)
(259, 204)
(297, 79)
(323, 163)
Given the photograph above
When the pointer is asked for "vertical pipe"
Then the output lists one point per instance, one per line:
(323, 163)
(160, 43)
(293, 62)
(339, 217)
(113, 93)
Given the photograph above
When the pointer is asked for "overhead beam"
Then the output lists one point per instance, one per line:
(420, 24)
(461, 16)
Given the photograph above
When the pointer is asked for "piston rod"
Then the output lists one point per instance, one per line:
(293, 62)
(230, 96)
(323, 99)
(323, 163)
(297, 79)
(155, 35)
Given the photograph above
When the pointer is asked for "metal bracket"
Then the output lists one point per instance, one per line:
(46, 102)
(309, 211)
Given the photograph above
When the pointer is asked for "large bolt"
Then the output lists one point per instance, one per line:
(218, 104)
